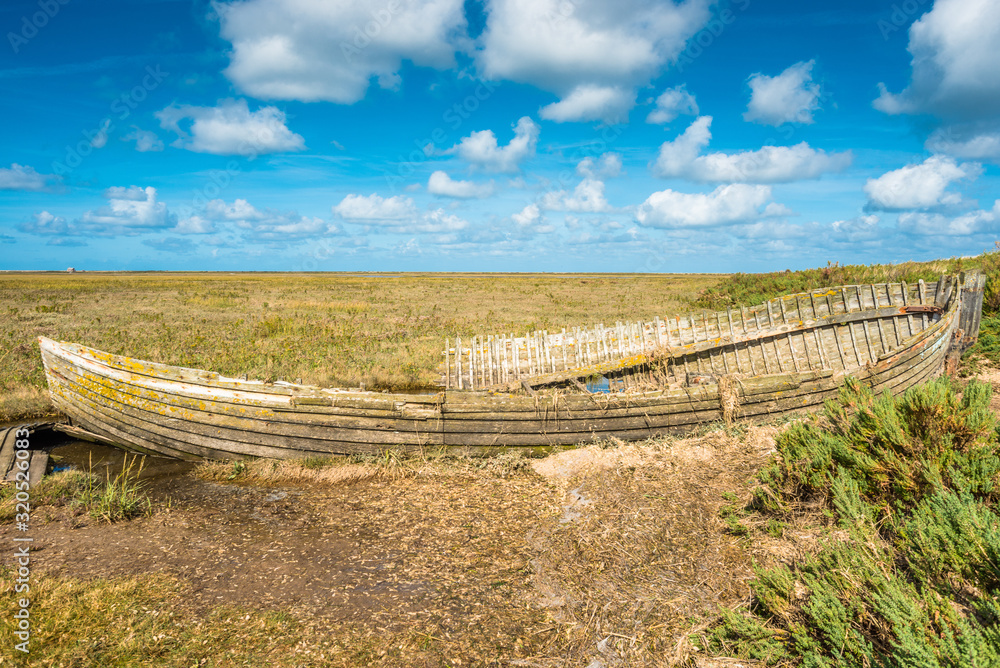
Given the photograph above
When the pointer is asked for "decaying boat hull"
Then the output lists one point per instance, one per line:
(194, 414)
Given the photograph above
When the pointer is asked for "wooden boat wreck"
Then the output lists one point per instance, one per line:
(537, 391)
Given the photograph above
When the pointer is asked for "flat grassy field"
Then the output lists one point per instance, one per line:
(333, 330)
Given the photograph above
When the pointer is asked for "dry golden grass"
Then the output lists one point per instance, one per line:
(386, 331)
(640, 558)
(390, 465)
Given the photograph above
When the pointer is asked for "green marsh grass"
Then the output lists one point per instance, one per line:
(750, 289)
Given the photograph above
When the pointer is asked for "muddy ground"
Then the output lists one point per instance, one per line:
(599, 556)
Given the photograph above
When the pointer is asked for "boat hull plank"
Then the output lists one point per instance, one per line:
(261, 421)
(310, 415)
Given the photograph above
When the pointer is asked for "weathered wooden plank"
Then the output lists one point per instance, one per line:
(105, 424)
(447, 364)
(36, 469)
(594, 411)
(7, 450)
(255, 431)
(251, 393)
(938, 332)
(194, 377)
(164, 439)
(387, 421)
(254, 394)
(895, 322)
(792, 354)
(559, 438)
(803, 395)
(812, 395)
(901, 379)
(81, 434)
(883, 340)
(868, 342)
(575, 407)
(575, 428)
(574, 403)
(768, 336)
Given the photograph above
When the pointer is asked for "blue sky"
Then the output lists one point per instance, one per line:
(496, 135)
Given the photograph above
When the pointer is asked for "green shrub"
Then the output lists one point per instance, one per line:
(915, 581)
(895, 451)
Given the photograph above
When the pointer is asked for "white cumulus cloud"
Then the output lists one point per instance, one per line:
(677, 156)
(857, 229)
(437, 221)
(375, 208)
(970, 143)
(920, 186)
(481, 148)
(937, 224)
(23, 177)
(790, 97)
(194, 225)
(591, 102)
(954, 49)
(230, 128)
(682, 157)
(45, 223)
(131, 193)
(606, 166)
(726, 205)
(100, 139)
(672, 103)
(145, 140)
(398, 214)
(257, 224)
(591, 53)
(129, 211)
(441, 184)
(528, 215)
(331, 51)
(588, 196)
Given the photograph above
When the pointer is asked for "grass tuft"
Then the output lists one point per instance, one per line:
(119, 498)
(110, 500)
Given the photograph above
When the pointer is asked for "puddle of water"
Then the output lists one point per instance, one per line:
(107, 461)
(599, 385)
